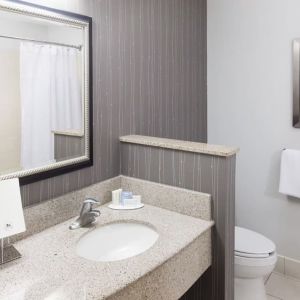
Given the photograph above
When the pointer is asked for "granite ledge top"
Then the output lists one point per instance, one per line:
(50, 267)
(215, 150)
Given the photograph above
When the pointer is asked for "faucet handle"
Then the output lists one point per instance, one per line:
(87, 205)
(87, 213)
(91, 200)
(95, 212)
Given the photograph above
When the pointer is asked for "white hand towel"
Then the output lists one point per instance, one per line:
(290, 173)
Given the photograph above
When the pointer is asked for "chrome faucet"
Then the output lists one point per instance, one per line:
(87, 214)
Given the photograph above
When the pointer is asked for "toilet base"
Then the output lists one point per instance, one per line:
(249, 289)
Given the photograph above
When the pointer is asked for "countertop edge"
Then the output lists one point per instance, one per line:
(205, 234)
(195, 255)
(180, 145)
(154, 264)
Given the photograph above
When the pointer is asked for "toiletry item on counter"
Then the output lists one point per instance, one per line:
(137, 199)
(134, 201)
(125, 196)
(116, 197)
(128, 201)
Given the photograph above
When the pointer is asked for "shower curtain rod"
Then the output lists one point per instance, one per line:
(40, 42)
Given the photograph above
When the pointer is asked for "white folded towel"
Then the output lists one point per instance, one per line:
(290, 173)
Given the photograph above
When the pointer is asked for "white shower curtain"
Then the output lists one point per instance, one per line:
(50, 99)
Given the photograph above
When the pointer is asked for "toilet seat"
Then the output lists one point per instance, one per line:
(251, 255)
(250, 244)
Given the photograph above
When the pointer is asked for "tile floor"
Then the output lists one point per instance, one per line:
(280, 287)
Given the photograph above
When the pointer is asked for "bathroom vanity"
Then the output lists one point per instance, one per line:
(50, 266)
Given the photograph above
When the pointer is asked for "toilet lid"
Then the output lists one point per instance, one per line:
(252, 244)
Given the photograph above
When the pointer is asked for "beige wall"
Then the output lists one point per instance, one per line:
(10, 112)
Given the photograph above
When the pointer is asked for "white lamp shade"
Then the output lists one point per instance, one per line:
(11, 211)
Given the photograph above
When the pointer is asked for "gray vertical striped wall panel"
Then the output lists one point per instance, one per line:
(205, 173)
(68, 146)
(149, 66)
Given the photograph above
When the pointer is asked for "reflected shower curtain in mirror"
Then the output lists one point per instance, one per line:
(50, 99)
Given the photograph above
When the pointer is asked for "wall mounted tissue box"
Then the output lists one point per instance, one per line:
(11, 217)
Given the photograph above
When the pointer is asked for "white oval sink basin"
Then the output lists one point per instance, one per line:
(116, 241)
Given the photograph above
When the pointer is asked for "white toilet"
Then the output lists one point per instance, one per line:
(254, 259)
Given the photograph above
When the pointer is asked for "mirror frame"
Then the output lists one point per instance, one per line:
(296, 83)
(85, 23)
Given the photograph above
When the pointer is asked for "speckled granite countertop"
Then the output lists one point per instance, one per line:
(203, 148)
(50, 268)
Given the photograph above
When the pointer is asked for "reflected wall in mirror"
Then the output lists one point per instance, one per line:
(46, 90)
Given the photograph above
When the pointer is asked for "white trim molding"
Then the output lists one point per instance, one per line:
(288, 266)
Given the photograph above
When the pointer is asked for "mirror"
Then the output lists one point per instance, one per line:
(296, 83)
(46, 92)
